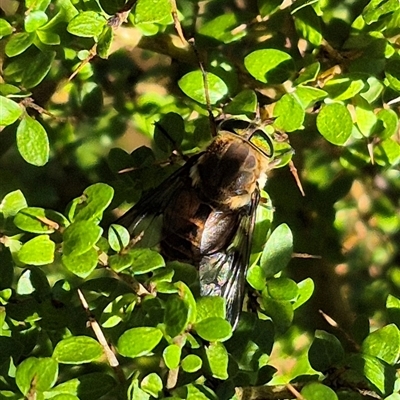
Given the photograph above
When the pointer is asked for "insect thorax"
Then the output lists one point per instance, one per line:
(229, 171)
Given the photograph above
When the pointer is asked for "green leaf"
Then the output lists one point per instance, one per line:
(334, 123)
(214, 329)
(145, 260)
(48, 38)
(289, 114)
(7, 89)
(280, 311)
(244, 102)
(377, 8)
(119, 262)
(264, 217)
(25, 283)
(256, 277)
(105, 41)
(384, 343)
(176, 317)
(172, 356)
(34, 20)
(393, 308)
(308, 74)
(277, 251)
(199, 392)
(38, 68)
(169, 132)
(381, 375)
(81, 265)
(344, 88)
(37, 251)
(191, 363)
(32, 142)
(12, 203)
(307, 96)
(318, 391)
(152, 384)
(282, 289)
(183, 272)
(136, 392)
(210, 306)
(269, 65)
(267, 7)
(308, 25)
(387, 153)
(18, 43)
(87, 24)
(365, 116)
(224, 28)
(390, 121)
(120, 309)
(88, 386)
(187, 296)
(77, 350)
(192, 85)
(40, 372)
(37, 5)
(156, 11)
(10, 111)
(5, 28)
(65, 396)
(38, 220)
(374, 90)
(91, 205)
(218, 359)
(325, 351)
(118, 237)
(306, 289)
(79, 237)
(137, 342)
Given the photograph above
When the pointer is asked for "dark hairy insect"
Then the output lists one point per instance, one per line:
(205, 211)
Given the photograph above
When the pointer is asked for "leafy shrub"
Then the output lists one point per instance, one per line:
(83, 317)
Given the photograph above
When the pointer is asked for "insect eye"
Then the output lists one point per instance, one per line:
(263, 142)
(235, 125)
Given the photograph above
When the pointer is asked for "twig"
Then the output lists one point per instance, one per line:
(305, 255)
(177, 23)
(112, 359)
(92, 54)
(334, 324)
(293, 170)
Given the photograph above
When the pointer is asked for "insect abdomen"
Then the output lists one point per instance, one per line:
(192, 228)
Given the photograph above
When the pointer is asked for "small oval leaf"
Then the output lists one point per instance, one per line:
(269, 65)
(86, 24)
(77, 350)
(37, 251)
(138, 342)
(42, 371)
(277, 251)
(10, 111)
(334, 123)
(32, 142)
(192, 85)
(80, 236)
(214, 329)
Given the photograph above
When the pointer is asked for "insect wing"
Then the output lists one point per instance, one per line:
(224, 273)
(144, 220)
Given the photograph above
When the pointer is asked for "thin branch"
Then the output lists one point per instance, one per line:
(112, 359)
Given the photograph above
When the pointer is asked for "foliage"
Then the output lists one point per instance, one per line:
(83, 315)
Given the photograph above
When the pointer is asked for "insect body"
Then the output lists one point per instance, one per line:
(206, 210)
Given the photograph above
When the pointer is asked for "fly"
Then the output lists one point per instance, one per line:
(205, 211)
